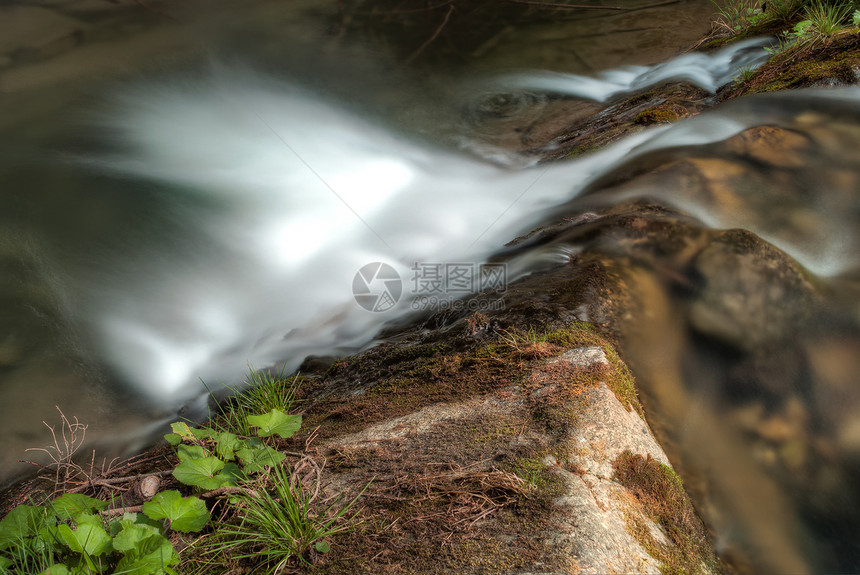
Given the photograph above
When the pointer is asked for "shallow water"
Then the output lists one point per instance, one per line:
(209, 200)
(76, 238)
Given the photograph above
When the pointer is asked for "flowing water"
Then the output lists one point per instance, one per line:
(184, 196)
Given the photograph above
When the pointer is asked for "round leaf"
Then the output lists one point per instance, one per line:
(200, 472)
(173, 439)
(73, 504)
(254, 459)
(186, 452)
(276, 422)
(132, 535)
(22, 522)
(87, 539)
(184, 513)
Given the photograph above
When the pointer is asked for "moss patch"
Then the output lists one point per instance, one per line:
(661, 494)
(657, 115)
(836, 58)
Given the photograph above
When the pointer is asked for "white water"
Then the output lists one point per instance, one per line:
(299, 195)
(706, 71)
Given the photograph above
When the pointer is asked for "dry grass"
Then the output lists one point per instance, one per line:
(469, 495)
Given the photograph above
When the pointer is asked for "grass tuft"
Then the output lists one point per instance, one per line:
(826, 18)
(282, 528)
(262, 392)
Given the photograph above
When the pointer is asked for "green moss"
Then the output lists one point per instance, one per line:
(621, 382)
(803, 65)
(583, 149)
(658, 115)
(578, 334)
(661, 494)
(493, 433)
(530, 470)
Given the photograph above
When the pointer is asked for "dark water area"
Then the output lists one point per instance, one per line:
(187, 189)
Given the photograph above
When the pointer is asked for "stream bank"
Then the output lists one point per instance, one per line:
(483, 395)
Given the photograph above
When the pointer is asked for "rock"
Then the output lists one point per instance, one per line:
(147, 487)
(584, 356)
(605, 430)
(752, 296)
(593, 523)
(529, 464)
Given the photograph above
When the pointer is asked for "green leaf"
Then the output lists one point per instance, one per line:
(90, 540)
(132, 536)
(202, 433)
(173, 439)
(56, 570)
(200, 472)
(184, 513)
(89, 519)
(276, 423)
(48, 541)
(801, 27)
(855, 18)
(187, 452)
(254, 459)
(322, 546)
(5, 562)
(182, 429)
(231, 475)
(73, 504)
(22, 522)
(151, 556)
(227, 444)
(154, 563)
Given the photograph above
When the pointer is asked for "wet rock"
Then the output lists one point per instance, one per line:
(752, 294)
(771, 145)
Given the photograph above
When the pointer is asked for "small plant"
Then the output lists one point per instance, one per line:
(827, 18)
(737, 15)
(209, 459)
(529, 345)
(71, 535)
(79, 535)
(821, 21)
(261, 393)
(783, 10)
(744, 75)
(281, 526)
